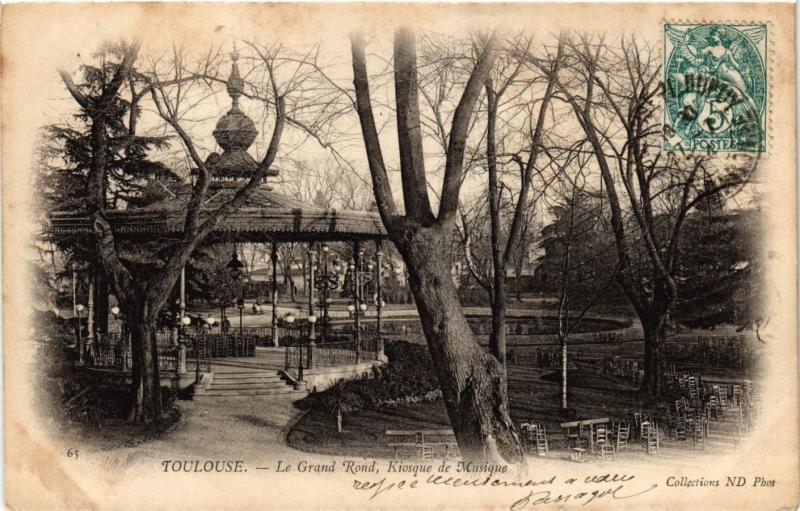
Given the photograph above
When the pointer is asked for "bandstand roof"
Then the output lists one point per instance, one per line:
(265, 216)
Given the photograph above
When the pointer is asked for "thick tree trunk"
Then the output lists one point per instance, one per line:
(654, 339)
(497, 338)
(146, 384)
(472, 380)
(101, 302)
(339, 421)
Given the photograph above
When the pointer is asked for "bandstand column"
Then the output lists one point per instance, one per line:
(90, 313)
(326, 283)
(379, 292)
(274, 259)
(75, 303)
(357, 296)
(181, 306)
(182, 302)
(74, 290)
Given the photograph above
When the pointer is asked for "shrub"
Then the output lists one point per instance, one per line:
(409, 377)
(75, 397)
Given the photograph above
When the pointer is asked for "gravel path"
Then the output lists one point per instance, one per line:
(249, 429)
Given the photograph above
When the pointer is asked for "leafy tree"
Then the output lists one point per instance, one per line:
(143, 284)
(720, 270)
(132, 178)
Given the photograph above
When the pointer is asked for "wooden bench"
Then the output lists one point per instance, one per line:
(591, 423)
(424, 441)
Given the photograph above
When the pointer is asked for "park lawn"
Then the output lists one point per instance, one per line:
(532, 399)
(363, 433)
(114, 433)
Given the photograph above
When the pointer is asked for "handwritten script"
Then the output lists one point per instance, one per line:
(537, 491)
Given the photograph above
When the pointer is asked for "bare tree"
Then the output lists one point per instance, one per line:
(472, 380)
(509, 219)
(142, 294)
(614, 92)
(324, 183)
(573, 236)
(287, 255)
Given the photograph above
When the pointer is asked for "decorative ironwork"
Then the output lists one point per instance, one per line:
(333, 354)
(113, 351)
(326, 281)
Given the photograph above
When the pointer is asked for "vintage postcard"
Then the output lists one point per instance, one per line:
(399, 256)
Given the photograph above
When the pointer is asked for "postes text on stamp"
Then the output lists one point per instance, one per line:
(715, 79)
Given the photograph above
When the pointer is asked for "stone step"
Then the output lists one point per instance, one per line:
(251, 382)
(247, 385)
(245, 377)
(250, 370)
(249, 392)
(254, 364)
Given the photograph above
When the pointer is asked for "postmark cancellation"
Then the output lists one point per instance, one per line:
(716, 87)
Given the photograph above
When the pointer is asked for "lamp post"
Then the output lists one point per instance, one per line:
(240, 304)
(186, 321)
(325, 282)
(289, 319)
(312, 345)
(117, 313)
(183, 322)
(234, 267)
(79, 308)
(312, 261)
(360, 277)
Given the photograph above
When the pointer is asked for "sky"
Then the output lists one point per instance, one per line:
(336, 144)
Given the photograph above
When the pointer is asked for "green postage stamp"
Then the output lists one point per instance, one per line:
(715, 79)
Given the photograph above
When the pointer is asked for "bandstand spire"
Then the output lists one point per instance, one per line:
(235, 132)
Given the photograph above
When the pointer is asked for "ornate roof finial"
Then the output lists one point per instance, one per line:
(235, 83)
(235, 131)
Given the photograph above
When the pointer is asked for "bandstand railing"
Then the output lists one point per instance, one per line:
(333, 354)
(262, 334)
(113, 351)
(223, 345)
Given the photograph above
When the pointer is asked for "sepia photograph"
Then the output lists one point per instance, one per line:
(399, 256)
